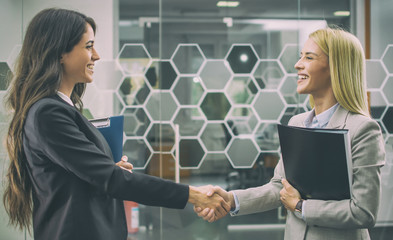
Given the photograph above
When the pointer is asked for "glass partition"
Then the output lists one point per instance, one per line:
(205, 85)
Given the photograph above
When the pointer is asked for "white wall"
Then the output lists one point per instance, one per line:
(10, 26)
(14, 18)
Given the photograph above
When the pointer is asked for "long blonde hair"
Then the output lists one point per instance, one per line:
(347, 68)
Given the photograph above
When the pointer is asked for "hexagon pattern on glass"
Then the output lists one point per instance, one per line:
(268, 105)
(161, 137)
(137, 151)
(387, 58)
(378, 103)
(241, 90)
(224, 107)
(161, 74)
(5, 76)
(107, 74)
(188, 90)
(376, 74)
(133, 59)
(215, 136)
(190, 121)
(136, 121)
(242, 153)
(161, 106)
(191, 153)
(388, 89)
(215, 74)
(241, 120)
(289, 56)
(215, 106)
(188, 58)
(269, 74)
(242, 58)
(288, 91)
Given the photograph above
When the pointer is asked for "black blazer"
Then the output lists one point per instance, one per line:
(78, 191)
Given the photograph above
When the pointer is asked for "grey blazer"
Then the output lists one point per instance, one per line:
(345, 219)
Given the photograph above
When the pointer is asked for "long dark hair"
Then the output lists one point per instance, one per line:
(51, 33)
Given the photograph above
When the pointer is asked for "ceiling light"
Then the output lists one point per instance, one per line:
(227, 4)
(244, 57)
(342, 13)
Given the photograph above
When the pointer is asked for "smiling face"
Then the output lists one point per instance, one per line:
(313, 71)
(78, 65)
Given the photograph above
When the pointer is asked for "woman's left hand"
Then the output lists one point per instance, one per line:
(289, 196)
(124, 164)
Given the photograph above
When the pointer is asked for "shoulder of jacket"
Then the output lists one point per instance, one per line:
(48, 104)
(359, 123)
(298, 119)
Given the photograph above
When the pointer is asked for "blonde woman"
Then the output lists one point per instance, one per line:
(331, 69)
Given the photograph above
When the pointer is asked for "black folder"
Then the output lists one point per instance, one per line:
(317, 162)
(112, 130)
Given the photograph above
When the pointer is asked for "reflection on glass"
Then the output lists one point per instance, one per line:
(215, 74)
(188, 90)
(161, 74)
(188, 58)
(241, 120)
(137, 151)
(241, 90)
(133, 59)
(215, 106)
(270, 73)
(190, 121)
(161, 106)
(242, 59)
(268, 105)
(375, 73)
(191, 153)
(242, 153)
(215, 136)
(135, 121)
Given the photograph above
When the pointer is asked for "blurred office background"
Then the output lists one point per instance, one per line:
(204, 83)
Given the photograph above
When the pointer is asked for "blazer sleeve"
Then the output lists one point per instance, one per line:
(57, 135)
(263, 198)
(359, 212)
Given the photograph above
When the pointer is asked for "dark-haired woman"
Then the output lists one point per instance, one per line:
(61, 170)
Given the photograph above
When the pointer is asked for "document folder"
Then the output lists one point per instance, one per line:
(112, 130)
(317, 162)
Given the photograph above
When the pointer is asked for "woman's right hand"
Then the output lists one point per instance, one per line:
(124, 164)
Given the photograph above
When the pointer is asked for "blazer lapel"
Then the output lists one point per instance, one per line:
(338, 119)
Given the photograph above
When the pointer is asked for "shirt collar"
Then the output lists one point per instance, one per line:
(65, 98)
(320, 120)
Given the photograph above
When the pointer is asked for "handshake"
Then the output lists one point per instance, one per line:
(211, 202)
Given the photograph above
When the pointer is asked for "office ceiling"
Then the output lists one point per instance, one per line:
(267, 9)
